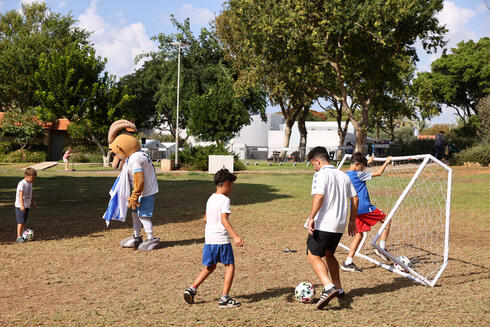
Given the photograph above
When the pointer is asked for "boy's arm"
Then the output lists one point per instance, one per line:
(21, 198)
(205, 218)
(226, 223)
(381, 169)
(315, 206)
(354, 204)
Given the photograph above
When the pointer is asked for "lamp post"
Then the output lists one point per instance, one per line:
(180, 45)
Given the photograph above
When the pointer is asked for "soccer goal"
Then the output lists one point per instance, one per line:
(415, 194)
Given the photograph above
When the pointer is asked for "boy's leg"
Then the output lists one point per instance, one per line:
(229, 273)
(385, 233)
(333, 268)
(20, 229)
(320, 268)
(349, 265)
(205, 272)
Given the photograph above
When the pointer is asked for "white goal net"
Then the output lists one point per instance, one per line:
(415, 194)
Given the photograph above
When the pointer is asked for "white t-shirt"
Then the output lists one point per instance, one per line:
(337, 189)
(215, 231)
(139, 161)
(26, 189)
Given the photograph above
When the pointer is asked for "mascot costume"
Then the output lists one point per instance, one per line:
(135, 186)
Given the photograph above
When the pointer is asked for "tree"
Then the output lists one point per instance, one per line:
(74, 85)
(458, 80)
(24, 36)
(484, 115)
(22, 126)
(206, 97)
(268, 48)
(347, 50)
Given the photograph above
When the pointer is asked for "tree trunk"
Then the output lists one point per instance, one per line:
(105, 155)
(360, 139)
(342, 133)
(303, 133)
(287, 137)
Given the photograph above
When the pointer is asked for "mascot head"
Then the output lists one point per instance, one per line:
(122, 145)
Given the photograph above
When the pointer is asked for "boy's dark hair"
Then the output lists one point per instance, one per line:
(441, 132)
(223, 175)
(318, 152)
(30, 172)
(357, 157)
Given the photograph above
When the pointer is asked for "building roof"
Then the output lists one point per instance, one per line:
(60, 125)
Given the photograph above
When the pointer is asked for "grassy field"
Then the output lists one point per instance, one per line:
(75, 273)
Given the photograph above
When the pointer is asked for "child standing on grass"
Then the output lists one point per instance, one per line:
(367, 214)
(66, 157)
(217, 247)
(23, 201)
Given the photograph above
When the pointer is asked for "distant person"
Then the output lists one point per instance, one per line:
(331, 189)
(66, 158)
(440, 145)
(23, 201)
(217, 245)
(350, 148)
(367, 214)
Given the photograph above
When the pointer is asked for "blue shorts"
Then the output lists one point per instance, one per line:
(147, 204)
(214, 253)
(21, 216)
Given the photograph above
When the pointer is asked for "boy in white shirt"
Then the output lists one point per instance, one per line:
(217, 247)
(331, 190)
(23, 201)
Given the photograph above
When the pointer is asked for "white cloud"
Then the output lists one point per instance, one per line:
(197, 16)
(30, 2)
(456, 19)
(62, 4)
(118, 44)
(1, 5)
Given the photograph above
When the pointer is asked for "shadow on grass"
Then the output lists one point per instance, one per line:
(269, 293)
(171, 244)
(72, 206)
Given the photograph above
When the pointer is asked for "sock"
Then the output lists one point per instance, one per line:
(348, 260)
(329, 286)
(225, 297)
(136, 224)
(341, 290)
(382, 244)
(194, 290)
(147, 224)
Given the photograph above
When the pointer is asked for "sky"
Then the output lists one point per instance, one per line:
(122, 29)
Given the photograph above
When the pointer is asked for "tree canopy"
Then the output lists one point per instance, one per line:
(458, 80)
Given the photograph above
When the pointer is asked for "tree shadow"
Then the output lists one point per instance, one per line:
(73, 206)
(171, 244)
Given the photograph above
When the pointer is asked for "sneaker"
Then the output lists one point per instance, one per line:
(131, 242)
(189, 294)
(326, 297)
(149, 245)
(350, 267)
(20, 240)
(381, 255)
(229, 303)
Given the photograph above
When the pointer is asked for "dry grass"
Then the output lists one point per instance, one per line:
(75, 273)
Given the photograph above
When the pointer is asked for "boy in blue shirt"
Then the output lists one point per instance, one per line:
(367, 214)
(217, 247)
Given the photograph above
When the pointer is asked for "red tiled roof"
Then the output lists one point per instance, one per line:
(60, 125)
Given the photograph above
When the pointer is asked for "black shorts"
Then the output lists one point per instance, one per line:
(322, 241)
(21, 216)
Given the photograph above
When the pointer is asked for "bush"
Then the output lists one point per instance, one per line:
(5, 147)
(424, 146)
(478, 153)
(85, 154)
(196, 158)
(23, 155)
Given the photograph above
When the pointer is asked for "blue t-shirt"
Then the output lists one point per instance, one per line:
(358, 179)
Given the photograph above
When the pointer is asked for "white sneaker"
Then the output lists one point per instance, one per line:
(149, 245)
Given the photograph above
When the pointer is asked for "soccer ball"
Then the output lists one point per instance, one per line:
(28, 234)
(304, 292)
(405, 261)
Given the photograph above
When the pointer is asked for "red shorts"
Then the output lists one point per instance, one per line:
(366, 220)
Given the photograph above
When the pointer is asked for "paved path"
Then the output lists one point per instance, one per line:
(44, 165)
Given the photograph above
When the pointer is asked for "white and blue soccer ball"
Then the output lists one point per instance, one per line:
(28, 235)
(304, 292)
(406, 261)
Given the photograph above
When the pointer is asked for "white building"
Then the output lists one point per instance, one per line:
(260, 140)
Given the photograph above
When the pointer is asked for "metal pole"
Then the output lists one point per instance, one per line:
(177, 125)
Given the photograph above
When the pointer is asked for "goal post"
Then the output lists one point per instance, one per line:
(415, 193)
